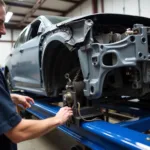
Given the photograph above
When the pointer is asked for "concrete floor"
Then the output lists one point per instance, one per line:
(56, 140)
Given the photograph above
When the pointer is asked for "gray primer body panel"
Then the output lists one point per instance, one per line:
(127, 52)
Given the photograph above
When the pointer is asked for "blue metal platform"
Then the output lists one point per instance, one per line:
(101, 135)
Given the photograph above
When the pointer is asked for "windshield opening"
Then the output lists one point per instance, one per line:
(56, 19)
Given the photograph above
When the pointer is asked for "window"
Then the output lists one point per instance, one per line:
(16, 43)
(55, 20)
(21, 39)
(34, 30)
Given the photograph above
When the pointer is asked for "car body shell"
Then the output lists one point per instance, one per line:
(26, 62)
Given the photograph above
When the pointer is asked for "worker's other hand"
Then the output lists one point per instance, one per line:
(64, 114)
(23, 100)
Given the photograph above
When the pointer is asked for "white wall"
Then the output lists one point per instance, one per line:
(145, 9)
(6, 45)
(84, 9)
(121, 6)
(132, 7)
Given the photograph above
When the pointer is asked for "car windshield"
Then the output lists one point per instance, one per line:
(56, 19)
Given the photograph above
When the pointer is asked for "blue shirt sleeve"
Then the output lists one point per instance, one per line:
(8, 115)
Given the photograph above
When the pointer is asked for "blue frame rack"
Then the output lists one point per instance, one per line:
(102, 135)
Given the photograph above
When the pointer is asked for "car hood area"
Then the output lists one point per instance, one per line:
(126, 20)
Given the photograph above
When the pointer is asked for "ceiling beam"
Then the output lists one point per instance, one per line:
(51, 9)
(37, 5)
(16, 4)
(74, 7)
(13, 26)
(17, 21)
(70, 1)
(22, 15)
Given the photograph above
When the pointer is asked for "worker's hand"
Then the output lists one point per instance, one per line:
(23, 100)
(64, 114)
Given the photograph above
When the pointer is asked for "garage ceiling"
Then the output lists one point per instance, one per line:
(24, 11)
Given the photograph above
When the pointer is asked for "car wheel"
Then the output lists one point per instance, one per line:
(9, 82)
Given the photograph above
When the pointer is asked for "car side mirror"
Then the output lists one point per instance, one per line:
(41, 30)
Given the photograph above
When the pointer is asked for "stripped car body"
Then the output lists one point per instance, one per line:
(108, 53)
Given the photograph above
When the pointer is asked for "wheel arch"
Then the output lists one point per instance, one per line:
(55, 48)
(50, 50)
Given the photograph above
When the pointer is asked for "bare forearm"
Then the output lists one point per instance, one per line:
(38, 128)
(29, 129)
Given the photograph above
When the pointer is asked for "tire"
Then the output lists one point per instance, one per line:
(9, 82)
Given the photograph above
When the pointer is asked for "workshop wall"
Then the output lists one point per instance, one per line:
(132, 7)
(84, 9)
(6, 43)
(121, 6)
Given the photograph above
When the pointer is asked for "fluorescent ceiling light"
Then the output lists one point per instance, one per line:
(8, 16)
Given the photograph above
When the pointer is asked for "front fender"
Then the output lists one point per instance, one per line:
(49, 43)
(60, 37)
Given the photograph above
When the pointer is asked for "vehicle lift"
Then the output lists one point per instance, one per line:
(130, 133)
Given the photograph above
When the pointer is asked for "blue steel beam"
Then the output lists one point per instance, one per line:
(64, 129)
(96, 135)
(139, 124)
(131, 110)
(124, 137)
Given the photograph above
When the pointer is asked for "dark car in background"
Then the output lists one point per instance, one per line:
(108, 53)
